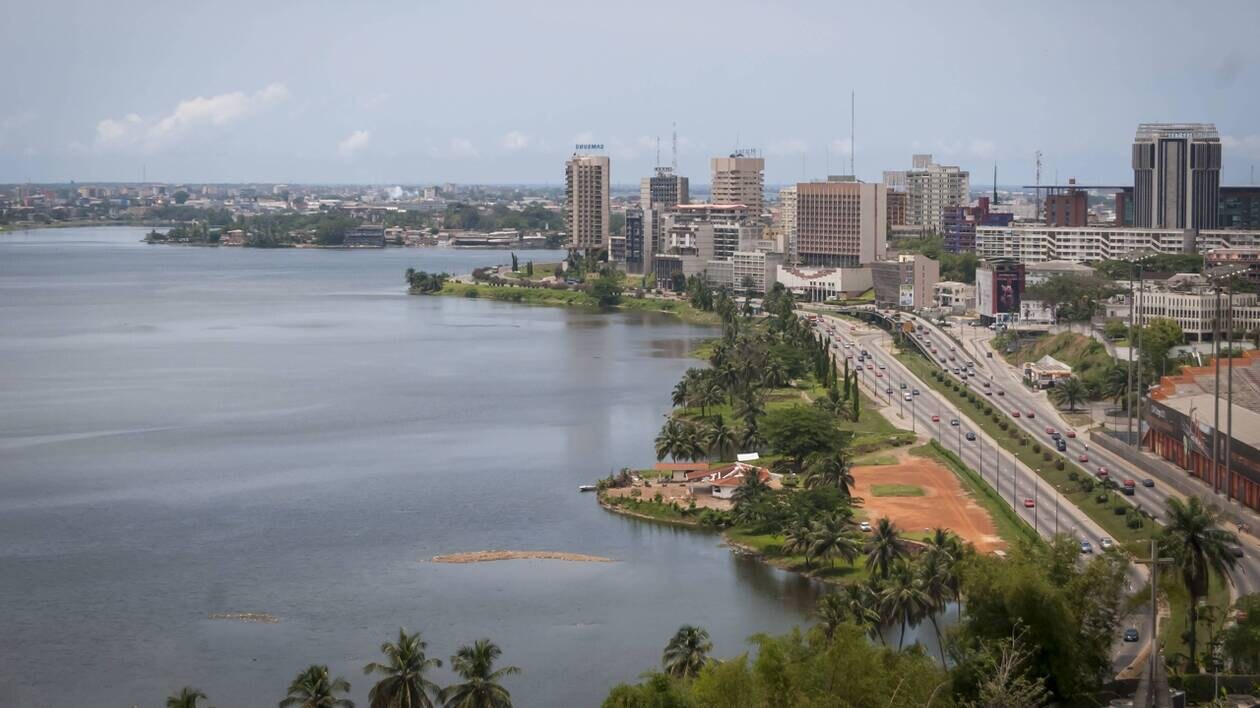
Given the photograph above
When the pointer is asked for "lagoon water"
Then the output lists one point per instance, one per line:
(189, 431)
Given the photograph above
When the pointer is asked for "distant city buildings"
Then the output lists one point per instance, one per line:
(906, 281)
(659, 193)
(740, 179)
(1070, 208)
(929, 188)
(1176, 175)
(958, 224)
(587, 214)
(840, 223)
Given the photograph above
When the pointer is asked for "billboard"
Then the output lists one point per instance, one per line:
(984, 293)
(1008, 287)
(905, 297)
(1037, 312)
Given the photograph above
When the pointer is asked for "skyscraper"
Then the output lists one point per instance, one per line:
(659, 193)
(930, 188)
(840, 223)
(740, 179)
(634, 240)
(586, 213)
(1176, 175)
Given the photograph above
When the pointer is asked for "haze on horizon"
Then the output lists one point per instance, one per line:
(384, 92)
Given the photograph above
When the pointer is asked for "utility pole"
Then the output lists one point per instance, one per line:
(1154, 562)
(852, 129)
(1216, 393)
(1229, 400)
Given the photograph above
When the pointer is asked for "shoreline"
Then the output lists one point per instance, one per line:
(572, 298)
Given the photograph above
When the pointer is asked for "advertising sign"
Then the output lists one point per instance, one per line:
(905, 297)
(985, 305)
(1007, 289)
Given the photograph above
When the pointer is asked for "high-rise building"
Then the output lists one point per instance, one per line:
(958, 224)
(740, 179)
(659, 193)
(586, 213)
(930, 188)
(1176, 175)
(1070, 208)
(787, 223)
(634, 240)
(840, 223)
(1239, 208)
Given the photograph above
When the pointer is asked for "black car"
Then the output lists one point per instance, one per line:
(1237, 551)
(971, 436)
(1130, 635)
(1148, 482)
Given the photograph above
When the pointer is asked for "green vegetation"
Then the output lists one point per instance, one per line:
(1200, 550)
(958, 267)
(1163, 263)
(872, 459)
(1075, 298)
(573, 298)
(1090, 362)
(896, 490)
(422, 282)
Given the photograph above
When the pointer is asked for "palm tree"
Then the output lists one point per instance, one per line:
(750, 437)
(751, 408)
(863, 608)
(1198, 548)
(903, 598)
(830, 469)
(670, 440)
(944, 545)
(884, 548)
(480, 689)
(687, 652)
(750, 488)
(720, 438)
(936, 576)
(693, 443)
(679, 396)
(711, 393)
(1069, 392)
(404, 685)
(798, 539)
(833, 536)
(775, 374)
(186, 698)
(832, 612)
(1115, 383)
(314, 689)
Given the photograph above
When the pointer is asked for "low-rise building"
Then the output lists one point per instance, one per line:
(1046, 371)
(1249, 256)
(822, 284)
(957, 297)
(758, 267)
(907, 281)
(1037, 243)
(1036, 273)
(365, 236)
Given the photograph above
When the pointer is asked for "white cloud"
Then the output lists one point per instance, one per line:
(462, 147)
(187, 116)
(354, 142)
(515, 141)
(1247, 145)
(841, 146)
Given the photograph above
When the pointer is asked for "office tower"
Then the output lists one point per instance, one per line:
(740, 179)
(929, 188)
(1176, 175)
(840, 224)
(1070, 208)
(787, 224)
(586, 213)
(659, 193)
(634, 240)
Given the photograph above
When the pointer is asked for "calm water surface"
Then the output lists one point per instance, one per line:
(189, 431)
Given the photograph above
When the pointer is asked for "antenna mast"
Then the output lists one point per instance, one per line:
(995, 197)
(658, 151)
(852, 119)
(675, 148)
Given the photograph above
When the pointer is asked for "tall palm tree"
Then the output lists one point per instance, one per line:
(679, 395)
(944, 545)
(313, 688)
(693, 442)
(832, 611)
(1198, 547)
(750, 437)
(750, 488)
(829, 469)
(687, 652)
(903, 598)
(1115, 382)
(775, 374)
(1068, 392)
(186, 698)
(884, 547)
(833, 536)
(936, 574)
(670, 440)
(404, 685)
(720, 438)
(799, 539)
(863, 608)
(480, 689)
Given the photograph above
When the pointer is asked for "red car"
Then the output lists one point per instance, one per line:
(936, 419)
(879, 374)
(1071, 433)
(1102, 471)
(1083, 457)
(1016, 414)
(869, 366)
(1049, 430)
(1028, 503)
(1032, 414)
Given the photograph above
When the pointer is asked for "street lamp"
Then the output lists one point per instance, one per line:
(1035, 502)
(1226, 273)
(1137, 258)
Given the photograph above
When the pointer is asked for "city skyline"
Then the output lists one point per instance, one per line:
(293, 96)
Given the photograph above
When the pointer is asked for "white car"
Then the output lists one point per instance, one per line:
(909, 397)
(865, 526)
(1105, 543)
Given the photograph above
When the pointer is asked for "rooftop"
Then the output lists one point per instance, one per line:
(1196, 131)
(1197, 383)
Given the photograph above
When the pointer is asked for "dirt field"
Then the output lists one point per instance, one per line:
(944, 502)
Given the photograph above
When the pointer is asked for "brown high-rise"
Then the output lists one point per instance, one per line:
(740, 179)
(840, 223)
(586, 212)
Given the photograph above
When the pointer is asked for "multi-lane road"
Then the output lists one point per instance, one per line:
(1031, 497)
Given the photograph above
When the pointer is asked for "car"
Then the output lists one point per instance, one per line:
(1060, 444)
(936, 419)
(1237, 551)
(1015, 413)
(848, 345)
(1032, 414)
(988, 355)
(869, 365)
(987, 392)
(970, 436)
(883, 368)
(1105, 544)
(903, 385)
(1071, 433)
(1049, 431)
(1082, 457)
(1001, 392)
(865, 526)
(1129, 487)
(1148, 483)
(953, 422)
(914, 391)
(1029, 503)
(909, 397)
(1130, 635)
(849, 355)
(888, 390)
(1102, 471)
(1086, 547)
(879, 374)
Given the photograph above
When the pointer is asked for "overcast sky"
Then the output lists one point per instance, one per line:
(464, 91)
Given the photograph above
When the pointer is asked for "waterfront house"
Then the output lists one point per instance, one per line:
(678, 471)
(723, 481)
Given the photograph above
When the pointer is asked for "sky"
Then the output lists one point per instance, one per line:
(499, 92)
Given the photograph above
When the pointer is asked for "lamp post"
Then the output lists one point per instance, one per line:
(1135, 333)
(1035, 502)
(1226, 273)
(1057, 492)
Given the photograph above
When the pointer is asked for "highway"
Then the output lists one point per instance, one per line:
(1012, 478)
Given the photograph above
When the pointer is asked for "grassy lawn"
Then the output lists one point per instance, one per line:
(541, 270)
(1103, 514)
(771, 546)
(896, 490)
(1010, 527)
(576, 298)
(655, 510)
(872, 459)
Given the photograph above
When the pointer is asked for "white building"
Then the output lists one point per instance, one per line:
(955, 296)
(1039, 243)
(1195, 310)
(930, 187)
(758, 266)
(821, 284)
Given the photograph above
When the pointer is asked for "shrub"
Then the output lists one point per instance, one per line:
(1058, 465)
(1036, 447)
(1071, 475)
(1023, 442)
(1120, 510)
(1101, 498)
(1134, 522)
(635, 493)
(657, 498)
(1003, 424)
(1045, 456)
(988, 410)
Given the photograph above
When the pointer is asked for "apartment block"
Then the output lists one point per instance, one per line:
(930, 188)
(587, 213)
(740, 179)
(1031, 244)
(908, 281)
(840, 223)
